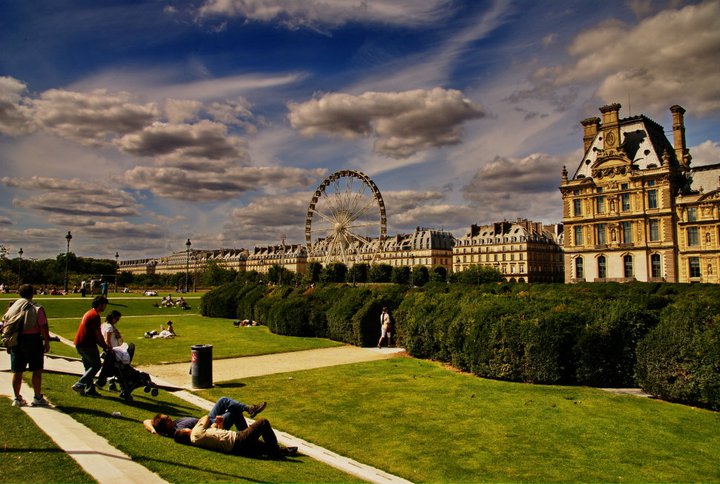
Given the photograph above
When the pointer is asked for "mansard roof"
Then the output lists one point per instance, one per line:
(642, 141)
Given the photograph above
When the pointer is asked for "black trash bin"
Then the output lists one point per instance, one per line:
(201, 366)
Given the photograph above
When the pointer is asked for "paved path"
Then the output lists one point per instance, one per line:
(108, 465)
(235, 368)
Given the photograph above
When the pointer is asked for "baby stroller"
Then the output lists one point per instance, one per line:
(124, 376)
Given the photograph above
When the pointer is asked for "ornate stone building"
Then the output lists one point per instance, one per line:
(523, 251)
(633, 209)
(424, 247)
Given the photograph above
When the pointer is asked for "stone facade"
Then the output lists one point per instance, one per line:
(523, 251)
(625, 208)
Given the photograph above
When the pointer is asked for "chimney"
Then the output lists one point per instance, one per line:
(681, 152)
(591, 125)
(610, 125)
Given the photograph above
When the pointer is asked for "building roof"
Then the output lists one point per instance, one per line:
(642, 140)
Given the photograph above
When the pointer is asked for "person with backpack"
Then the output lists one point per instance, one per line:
(28, 346)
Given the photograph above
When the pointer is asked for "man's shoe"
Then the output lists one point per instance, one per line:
(288, 451)
(253, 410)
(92, 393)
(40, 402)
(79, 388)
(19, 402)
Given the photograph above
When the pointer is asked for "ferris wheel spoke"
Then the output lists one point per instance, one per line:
(329, 218)
(362, 211)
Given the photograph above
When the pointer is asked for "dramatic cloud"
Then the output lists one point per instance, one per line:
(322, 14)
(92, 118)
(527, 187)
(73, 198)
(401, 201)
(403, 123)
(223, 184)
(666, 59)
(205, 139)
(15, 115)
(265, 220)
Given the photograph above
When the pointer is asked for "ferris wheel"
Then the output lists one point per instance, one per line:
(346, 220)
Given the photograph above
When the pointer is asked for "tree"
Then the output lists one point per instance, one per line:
(421, 276)
(380, 273)
(358, 273)
(312, 273)
(334, 272)
(438, 274)
(400, 275)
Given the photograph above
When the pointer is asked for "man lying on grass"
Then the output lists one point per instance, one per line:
(213, 430)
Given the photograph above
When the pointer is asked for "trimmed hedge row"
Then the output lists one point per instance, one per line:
(665, 338)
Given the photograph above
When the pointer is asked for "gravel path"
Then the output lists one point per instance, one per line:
(178, 374)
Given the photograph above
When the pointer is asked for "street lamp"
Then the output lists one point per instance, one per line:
(117, 269)
(412, 269)
(187, 263)
(68, 237)
(20, 253)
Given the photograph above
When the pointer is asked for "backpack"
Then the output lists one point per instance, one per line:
(13, 326)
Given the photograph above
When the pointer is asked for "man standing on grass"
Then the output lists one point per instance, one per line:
(87, 339)
(33, 343)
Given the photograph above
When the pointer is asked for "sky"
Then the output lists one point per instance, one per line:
(137, 125)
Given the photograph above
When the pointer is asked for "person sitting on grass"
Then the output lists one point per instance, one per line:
(231, 410)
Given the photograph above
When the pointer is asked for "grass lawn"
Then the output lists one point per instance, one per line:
(140, 316)
(27, 454)
(174, 462)
(421, 421)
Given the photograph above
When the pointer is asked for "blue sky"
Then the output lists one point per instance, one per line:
(139, 124)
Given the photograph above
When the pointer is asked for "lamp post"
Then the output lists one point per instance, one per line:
(187, 263)
(68, 237)
(20, 253)
(117, 268)
(412, 269)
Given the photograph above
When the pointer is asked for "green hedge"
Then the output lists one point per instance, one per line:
(663, 337)
(679, 360)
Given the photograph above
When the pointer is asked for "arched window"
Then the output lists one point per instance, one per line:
(602, 267)
(628, 265)
(655, 266)
(579, 272)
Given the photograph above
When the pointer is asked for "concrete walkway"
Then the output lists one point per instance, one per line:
(108, 465)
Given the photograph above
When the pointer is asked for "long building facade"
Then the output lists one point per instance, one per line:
(523, 251)
(633, 209)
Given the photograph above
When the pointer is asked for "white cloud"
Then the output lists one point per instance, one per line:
(508, 188)
(663, 60)
(322, 14)
(92, 118)
(181, 110)
(72, 198)
(15, 114)
(706, 153)
(402, 123)
(223, 184)
(205, 139)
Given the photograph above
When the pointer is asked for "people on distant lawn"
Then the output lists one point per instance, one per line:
(33, 343)
(385, 327)
(87, 340)
(165, 332)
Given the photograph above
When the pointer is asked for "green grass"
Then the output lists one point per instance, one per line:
(175, 462)
(421, 421)
(140, 316)
(27, 454)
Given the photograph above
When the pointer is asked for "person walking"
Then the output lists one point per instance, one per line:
(33, 343)
(87, 339)
(385, 327)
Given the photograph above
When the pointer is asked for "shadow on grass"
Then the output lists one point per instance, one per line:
(143, 460)
(230, 384)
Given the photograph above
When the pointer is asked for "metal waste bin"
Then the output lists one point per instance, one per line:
(201, 366)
